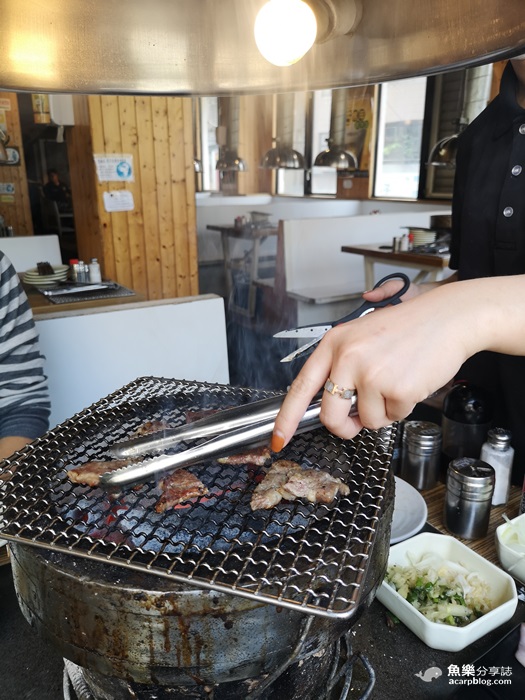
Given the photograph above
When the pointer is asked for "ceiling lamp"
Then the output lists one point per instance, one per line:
(285, 30)
(229, 161)
(282, 157)
(336, 157)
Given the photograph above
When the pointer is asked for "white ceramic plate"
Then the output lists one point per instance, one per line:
(410, 512)
(502, 592)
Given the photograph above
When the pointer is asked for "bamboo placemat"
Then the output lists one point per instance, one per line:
(485, 546)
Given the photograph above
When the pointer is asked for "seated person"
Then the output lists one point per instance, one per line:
(57, 191)
(24, 396)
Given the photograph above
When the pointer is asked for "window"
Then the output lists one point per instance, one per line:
(209, 115)
(399, 136)
(322, 180)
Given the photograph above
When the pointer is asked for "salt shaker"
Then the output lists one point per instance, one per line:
(94, 271)
(470, 485)
(421, 455)
(497, 452)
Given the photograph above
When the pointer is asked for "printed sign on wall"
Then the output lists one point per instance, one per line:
(114, 168)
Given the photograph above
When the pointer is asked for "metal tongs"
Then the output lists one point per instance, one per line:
(235, 428)
(316, 333)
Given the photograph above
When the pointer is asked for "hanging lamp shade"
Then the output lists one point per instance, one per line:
(229, 161)
(443, 154)
(336, 157)
(282, 157)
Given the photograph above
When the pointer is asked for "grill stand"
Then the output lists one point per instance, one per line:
(338, 684)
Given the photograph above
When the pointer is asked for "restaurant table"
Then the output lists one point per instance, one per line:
(249, 232)
(40, 304)
(31, 668)
(431, 266)
(397, 655)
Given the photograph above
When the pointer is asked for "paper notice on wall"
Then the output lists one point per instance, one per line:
(118, 200)
(114, 168)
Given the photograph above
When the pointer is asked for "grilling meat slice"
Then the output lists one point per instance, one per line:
(286, 479)
(150, 427)
(259, 456)
(90, 472)
(177, 487)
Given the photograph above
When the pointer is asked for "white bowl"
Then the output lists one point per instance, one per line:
(511, 560)
(434, 634)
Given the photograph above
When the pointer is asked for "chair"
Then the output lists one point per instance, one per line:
(54, 220)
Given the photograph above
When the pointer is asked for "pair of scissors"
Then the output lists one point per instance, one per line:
(316, 333)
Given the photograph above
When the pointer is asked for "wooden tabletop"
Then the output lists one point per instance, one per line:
(485, 546)
(244, 231)
(41, 304)
(385, 253)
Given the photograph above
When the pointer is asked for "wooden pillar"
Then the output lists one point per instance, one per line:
(151, 248)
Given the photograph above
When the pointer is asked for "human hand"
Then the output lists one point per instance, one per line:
(393, 359)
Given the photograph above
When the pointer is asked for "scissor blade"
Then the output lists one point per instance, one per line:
(306, 332)
(302, 349)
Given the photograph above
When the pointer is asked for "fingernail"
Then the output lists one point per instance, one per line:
(277, 441)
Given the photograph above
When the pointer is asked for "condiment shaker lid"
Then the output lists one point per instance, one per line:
(422, 434)
(471, 478)
(499, 438)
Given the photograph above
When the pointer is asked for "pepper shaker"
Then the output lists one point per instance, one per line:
(470, 485)
(421, 454)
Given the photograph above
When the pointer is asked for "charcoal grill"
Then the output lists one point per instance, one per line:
(308, 558)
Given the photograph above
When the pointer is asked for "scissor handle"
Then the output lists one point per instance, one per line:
(368, 306)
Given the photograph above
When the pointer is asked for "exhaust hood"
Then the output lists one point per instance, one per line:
(207, 47)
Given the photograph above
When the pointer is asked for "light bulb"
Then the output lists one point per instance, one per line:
(284, 31)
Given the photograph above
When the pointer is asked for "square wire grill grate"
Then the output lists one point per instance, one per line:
(311, 557)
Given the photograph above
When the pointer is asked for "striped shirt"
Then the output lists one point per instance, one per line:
(24, 396)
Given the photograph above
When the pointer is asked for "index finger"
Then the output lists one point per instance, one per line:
(300, 394)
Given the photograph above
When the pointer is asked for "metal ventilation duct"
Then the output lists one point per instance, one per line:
(204, 47)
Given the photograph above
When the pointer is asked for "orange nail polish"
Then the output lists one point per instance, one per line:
(277, 442)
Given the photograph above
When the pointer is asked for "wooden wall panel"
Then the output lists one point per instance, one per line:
(15, 207)
(152, 249)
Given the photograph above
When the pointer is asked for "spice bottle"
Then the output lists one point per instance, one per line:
(94, 271)
(420, 460)
(470, 485)
(73, 270)
(466, 419)
(498, 452)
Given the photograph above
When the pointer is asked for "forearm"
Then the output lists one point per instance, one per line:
(8, 445)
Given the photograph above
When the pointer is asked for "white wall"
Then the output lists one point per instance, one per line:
(90, 355)
(222, 210)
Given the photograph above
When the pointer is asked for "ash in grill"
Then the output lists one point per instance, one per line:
(308, 556)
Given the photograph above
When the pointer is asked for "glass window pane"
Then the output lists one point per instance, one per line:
(209, 110)
(400, 129)
(323, 180)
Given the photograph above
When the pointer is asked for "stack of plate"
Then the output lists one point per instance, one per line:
(59, 275)
(422, 236)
